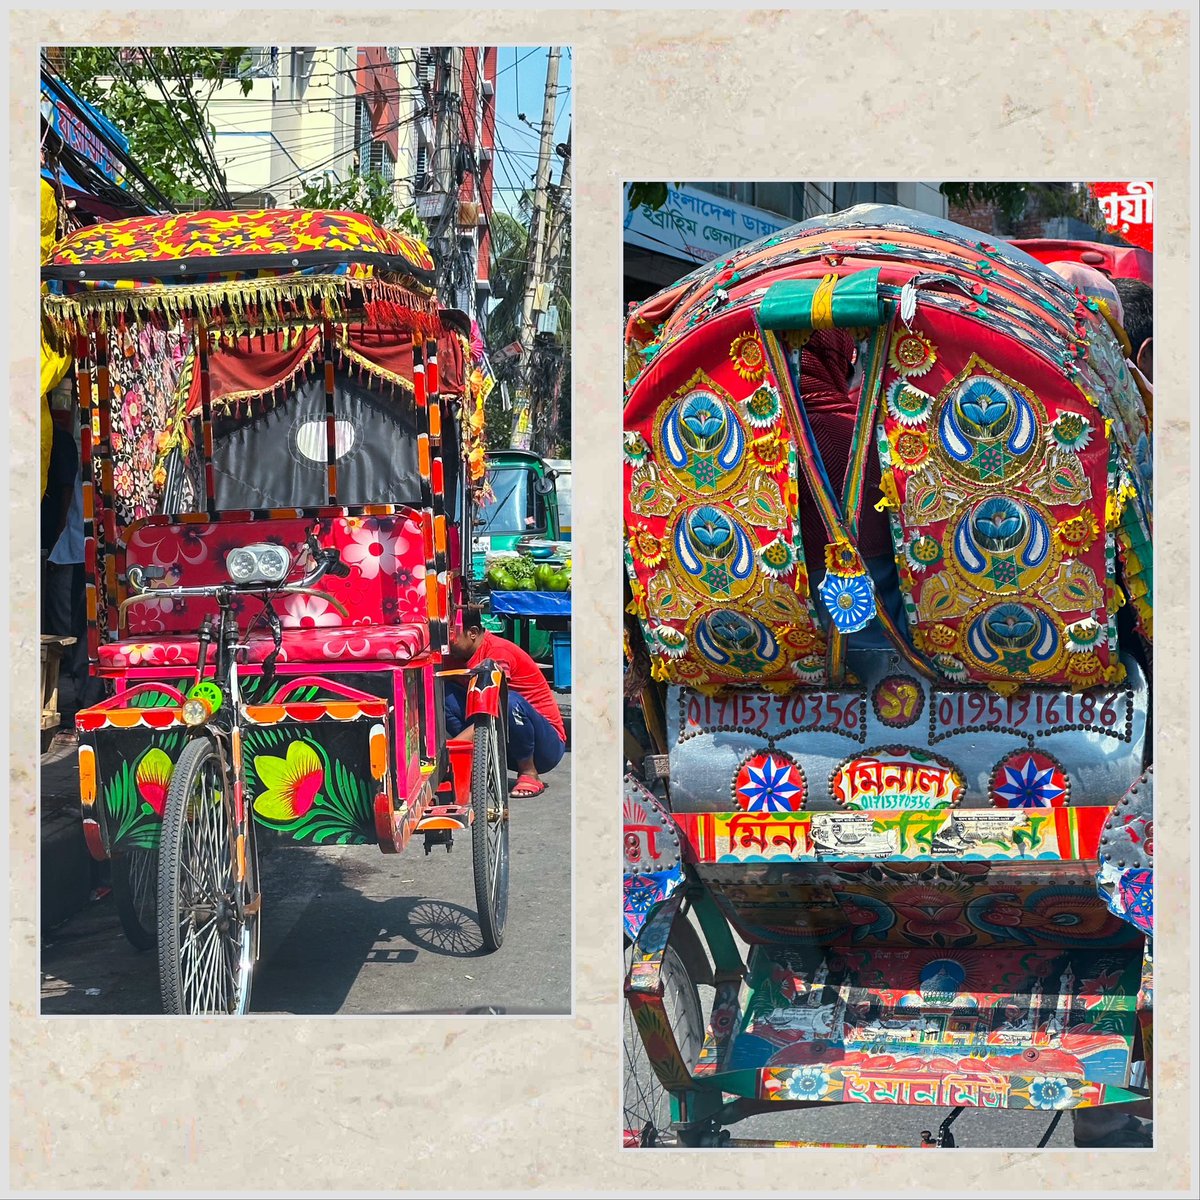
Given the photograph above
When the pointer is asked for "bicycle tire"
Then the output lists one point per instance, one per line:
(198, 896)
(135, 894)
(489, 832)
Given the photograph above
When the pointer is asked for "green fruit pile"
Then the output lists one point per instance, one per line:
(522, 574)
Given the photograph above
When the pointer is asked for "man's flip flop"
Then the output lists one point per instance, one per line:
(526, 786)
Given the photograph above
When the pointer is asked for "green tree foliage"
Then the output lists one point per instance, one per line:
(165, 138)
(1016, 200)
(550, 365)
(370, 194)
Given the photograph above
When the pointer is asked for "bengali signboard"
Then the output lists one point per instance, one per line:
(81, 136)
(896, 777)
(698, 226)
(1128, 209)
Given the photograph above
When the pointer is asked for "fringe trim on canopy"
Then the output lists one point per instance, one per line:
(261, 302)
(372, 368)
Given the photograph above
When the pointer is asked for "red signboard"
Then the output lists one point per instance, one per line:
(1128, 209)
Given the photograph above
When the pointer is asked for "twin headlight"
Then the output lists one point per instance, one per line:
(261, 563)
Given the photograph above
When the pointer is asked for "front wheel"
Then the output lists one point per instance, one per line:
(206, 881)
(489, 830)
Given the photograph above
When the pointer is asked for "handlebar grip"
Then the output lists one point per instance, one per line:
(339, 569)
(154, 572)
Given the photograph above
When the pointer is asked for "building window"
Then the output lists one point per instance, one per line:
(362, 134)
(786, 199)
(847, 194)
(382, 162)
(425, 66)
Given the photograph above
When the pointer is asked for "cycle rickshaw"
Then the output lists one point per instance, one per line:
(280, 464)
(896, 820)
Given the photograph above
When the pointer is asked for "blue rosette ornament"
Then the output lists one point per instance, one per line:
(847, 589)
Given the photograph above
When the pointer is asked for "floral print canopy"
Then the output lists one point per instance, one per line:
(218, 265)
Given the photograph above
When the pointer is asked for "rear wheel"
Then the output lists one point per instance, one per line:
(206, 938)
(135, 891)
(646, 1103)
(489, 830)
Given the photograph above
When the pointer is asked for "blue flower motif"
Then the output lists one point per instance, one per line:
(1045, 1092)
(850, 600)
(983, 403)
(733, 629)
(1011, 624)
(769, 787)
(807, 1083)
(997, 519)
(704, 418)
(1029, 786)
(710, 527)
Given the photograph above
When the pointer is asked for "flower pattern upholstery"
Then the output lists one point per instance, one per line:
(362, 643)
(384, 592)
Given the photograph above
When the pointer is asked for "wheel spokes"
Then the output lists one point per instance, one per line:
(208, 916)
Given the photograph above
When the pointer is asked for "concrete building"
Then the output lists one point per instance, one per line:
(297, 120)
(313, 111)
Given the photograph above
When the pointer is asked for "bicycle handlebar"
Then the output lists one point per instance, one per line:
(326, 560)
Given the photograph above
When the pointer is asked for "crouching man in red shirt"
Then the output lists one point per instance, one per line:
(537, 738)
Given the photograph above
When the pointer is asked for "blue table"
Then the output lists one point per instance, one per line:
(531, 604)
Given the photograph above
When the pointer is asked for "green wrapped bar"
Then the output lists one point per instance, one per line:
(851, 302)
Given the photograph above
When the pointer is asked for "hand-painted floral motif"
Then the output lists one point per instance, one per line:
(1001, 544)
(1071, 431)
(307, 612)
(373, 546)
(291, 783)
(989, 428)
(911, 353)
(1030, 779)
(907, 404)
(715, 552)
(763, 407)
(850, 600)
(769, 782)
(702, 441)
(1076, 535)
(778, 558)
(728, 638)
(153, 776)
(1050, 1093)
(746, 354)
(1022, 640)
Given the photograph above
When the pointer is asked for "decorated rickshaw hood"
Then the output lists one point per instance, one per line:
(218, 264)
(906, 245)
(1000, 398)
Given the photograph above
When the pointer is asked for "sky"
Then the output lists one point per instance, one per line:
(520, 88)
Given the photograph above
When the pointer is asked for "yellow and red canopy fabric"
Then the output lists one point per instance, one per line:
(266, 263)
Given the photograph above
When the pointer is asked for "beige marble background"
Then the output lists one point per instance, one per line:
(465, 1104)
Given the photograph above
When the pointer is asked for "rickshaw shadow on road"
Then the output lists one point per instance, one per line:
(354, 936)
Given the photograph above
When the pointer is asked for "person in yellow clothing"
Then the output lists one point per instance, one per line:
(55, 363)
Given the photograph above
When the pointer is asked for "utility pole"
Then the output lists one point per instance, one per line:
(535, 277)
(559, 224)
(447, 132)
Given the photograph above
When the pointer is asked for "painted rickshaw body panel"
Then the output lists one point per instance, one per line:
(907, 836)
(191, 332)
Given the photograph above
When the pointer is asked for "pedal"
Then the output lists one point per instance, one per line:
(439, 837)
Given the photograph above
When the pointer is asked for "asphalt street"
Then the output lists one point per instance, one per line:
(349, 930)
